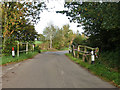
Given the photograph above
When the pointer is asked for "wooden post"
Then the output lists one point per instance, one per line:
(85, 49)
(18, 49)
(78, 52)
(83, 57)
(73, 51)
(84, 53)
(26, 47)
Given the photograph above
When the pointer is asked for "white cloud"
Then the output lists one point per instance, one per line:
(56, 19)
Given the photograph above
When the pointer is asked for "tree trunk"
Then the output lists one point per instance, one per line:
(50, 41)
(4, 40)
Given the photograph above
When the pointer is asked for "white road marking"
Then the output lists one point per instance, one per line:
(10, 68)
(17, 64)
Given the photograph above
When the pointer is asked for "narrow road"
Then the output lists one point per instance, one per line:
(51, 70)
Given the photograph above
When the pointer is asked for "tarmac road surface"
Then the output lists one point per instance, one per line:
(50, 70)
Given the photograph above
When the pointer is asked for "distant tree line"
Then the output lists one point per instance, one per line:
(58, 38)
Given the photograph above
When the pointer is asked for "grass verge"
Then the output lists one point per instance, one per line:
(38, 42)
(100, 70)
(44, 50)
(23, 56)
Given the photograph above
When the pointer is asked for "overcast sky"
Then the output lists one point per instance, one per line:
(51, 17)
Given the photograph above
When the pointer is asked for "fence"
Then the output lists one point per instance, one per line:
(87, 53)
(27, 47)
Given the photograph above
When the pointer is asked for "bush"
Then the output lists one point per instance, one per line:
(38, 49)
(110, 58)
(7, 50)
(79, 40)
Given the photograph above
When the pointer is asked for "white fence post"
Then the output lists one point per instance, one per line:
(78, 50)
(26, 47)
(92, 57)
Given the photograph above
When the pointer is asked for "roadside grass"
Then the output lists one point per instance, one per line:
(23, 56)
(44, 50)
(38, 42)
(100, 70)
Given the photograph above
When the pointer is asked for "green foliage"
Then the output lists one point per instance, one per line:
(49, 32)
(101, 25)
(60, 37)
(40, 37)
(38, 42)
(37, 48)
(28, 33)
(79, 40)
(110, 59)
(100, 70)
(16, 22)
(8, 49)
(63, 37)
(100, 21)
(23, 56)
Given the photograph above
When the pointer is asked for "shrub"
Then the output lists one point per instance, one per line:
(110, 58)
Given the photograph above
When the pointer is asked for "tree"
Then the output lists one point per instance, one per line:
(68, 35)
(101, 25)
(99, 21)
(49, 32)
(58, 41)
(0, 24)
(27, 33)
(62, 37)
(79, 40)
(16, 21)
(58, 37)
(16, 14)
(40, 37)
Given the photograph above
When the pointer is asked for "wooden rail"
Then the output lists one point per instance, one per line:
(26, 50)
(87, 53)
